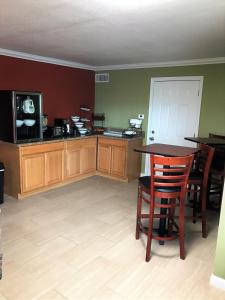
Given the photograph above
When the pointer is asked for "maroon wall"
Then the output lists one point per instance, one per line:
(64, 89)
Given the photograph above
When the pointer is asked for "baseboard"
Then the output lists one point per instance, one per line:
(217, 282)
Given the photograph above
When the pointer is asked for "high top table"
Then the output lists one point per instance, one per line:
(211, 141)
(165, 150)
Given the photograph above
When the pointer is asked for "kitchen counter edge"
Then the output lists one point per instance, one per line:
(73, 138)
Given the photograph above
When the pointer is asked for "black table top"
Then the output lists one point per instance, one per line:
(167, 150)
(206, 140)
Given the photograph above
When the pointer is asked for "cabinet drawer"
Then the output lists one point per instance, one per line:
(42, 148)
(92, 141)
(112, 142)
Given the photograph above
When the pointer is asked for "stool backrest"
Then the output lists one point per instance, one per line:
(170, 175)
(218, 161)
(204, 160)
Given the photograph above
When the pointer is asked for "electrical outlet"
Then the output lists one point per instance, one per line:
(141, 116)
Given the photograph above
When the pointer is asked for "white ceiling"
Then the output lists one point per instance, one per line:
(114, 32)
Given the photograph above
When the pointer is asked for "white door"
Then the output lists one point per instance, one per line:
(174, 110)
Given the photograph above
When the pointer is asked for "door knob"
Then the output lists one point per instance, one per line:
(151, 138)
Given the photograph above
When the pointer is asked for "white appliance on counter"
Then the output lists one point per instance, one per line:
(28, 106)
(136, 123)
(113, 132)
(134, 128)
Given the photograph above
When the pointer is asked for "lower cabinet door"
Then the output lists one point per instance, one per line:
(33, 172)
(104, 158)
(54, 167)
(88, 159)
(73, 158)
(118, 161)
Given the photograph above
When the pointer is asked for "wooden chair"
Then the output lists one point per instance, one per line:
(167, 189)
(198, 183)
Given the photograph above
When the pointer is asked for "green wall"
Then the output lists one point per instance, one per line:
(127, 94)
(219, 268)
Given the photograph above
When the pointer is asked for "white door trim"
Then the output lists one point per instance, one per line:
(180, 78)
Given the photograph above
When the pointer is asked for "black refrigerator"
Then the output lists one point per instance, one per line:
(20, 116)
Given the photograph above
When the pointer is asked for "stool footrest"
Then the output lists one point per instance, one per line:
(173, 235)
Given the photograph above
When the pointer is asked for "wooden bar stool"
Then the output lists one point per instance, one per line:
(168, 180)
(216, 175)
(198, 183)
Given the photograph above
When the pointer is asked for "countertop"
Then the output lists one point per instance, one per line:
(71, 138)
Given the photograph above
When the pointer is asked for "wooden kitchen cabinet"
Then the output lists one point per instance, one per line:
(33, 172)
(80, 157)
(54, 167)
(117, 159)
(41, 166)
(88, 155)
(104, 158)
(35, 167)
(73, 158)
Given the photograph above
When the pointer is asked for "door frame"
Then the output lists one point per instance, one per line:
(178, 78)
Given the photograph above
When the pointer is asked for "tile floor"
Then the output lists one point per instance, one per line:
(77, 242)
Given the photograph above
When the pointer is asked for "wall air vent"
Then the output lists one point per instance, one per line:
(102, 77)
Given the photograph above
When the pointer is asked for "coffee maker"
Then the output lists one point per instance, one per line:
(61, 127)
